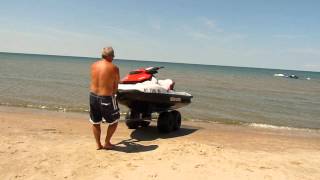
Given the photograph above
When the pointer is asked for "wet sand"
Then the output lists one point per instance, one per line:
(40, 144)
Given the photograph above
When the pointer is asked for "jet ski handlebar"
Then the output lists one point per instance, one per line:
(153, 70)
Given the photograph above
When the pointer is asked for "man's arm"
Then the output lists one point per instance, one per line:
(91, 85)
(116, 80)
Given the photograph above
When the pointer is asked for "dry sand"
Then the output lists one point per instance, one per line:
(39, 144)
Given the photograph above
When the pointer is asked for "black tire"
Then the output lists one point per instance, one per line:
(128, 114)
(165, 122)
(132, 124)
(177, 117)
(146, 116)
(132, 119)
(145, 123)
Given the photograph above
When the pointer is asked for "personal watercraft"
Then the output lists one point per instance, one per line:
(144, 94)
(292, 76)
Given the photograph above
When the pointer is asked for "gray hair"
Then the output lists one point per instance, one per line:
(107, 52)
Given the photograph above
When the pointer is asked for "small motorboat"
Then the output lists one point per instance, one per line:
(293, 76)
(279, 75)
(144, 94)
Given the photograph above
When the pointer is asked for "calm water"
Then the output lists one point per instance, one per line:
(224, 94)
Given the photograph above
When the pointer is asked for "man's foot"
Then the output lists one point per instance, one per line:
(100, 147)
(108, 146)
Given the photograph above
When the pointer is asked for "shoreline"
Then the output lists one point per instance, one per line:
(227, 122)
(58, 145)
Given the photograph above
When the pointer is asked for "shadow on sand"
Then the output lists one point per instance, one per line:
(148, 134)
(151, 133)
(131, 146)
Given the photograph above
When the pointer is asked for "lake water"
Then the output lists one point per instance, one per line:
(234, 95)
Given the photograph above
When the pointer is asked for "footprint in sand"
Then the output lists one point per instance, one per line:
(295, 163)
(19, 176)
(174, 166)
(116, 176)
(267, 177)
(199, 166)
(264, 167)
(137, 159)
(219, 148)
(153, 175)
(250, 170)
(132, 166)
(202, 153)
(15, 151)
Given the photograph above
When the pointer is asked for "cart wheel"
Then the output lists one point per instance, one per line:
(177, 117)
(165, 122)
(131, 119)
(145, 123)
(132, 124)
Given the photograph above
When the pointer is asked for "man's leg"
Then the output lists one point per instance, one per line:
(97, 133)
(111, 129)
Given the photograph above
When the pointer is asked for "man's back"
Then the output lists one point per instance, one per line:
(103, 104)
(104, 78)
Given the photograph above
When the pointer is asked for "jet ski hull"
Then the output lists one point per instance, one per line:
(152, 102)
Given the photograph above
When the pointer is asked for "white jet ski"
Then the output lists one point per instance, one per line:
(143, 94)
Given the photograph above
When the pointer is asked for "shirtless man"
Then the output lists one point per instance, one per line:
(103, 104)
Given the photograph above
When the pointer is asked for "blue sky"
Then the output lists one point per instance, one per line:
(253, 33)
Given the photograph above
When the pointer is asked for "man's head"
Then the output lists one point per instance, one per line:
(108, 53)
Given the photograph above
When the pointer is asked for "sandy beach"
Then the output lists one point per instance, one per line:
(40, 144)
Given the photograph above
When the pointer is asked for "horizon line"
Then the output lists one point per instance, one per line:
(76, 56)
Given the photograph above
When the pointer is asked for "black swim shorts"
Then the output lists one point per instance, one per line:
(103, 108)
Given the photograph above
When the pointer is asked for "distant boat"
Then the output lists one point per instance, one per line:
(293, 76)
(279, 75)
(287, 76)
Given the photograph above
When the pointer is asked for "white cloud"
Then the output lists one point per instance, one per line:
(56, 32)
(306, 51)
(208, 22)
(120, 30)
(198, 35)
(288, 36)
(231, 37)
(51, 40)
(217, 37)
(209, 30)
(312, 67)
(211, 24)
(155, 25)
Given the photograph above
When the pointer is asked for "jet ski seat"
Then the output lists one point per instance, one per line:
(168, 84)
